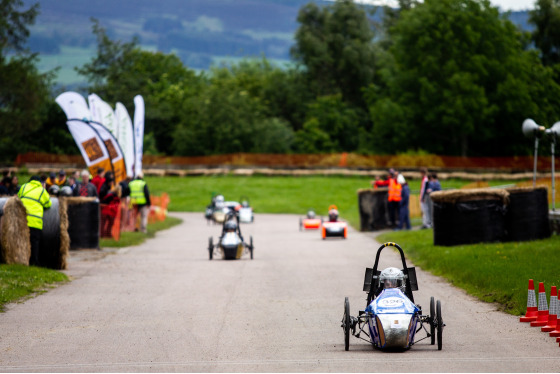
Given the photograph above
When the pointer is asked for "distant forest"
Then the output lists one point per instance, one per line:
(199, 32)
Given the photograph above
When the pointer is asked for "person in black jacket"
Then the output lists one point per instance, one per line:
(85, 187)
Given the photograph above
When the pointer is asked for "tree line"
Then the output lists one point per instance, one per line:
(446, 77)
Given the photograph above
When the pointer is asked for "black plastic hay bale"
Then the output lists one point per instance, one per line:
(53, 250)
(373, 209)
(527, 216)
(83, 222)
(15, 247)
(469, 216)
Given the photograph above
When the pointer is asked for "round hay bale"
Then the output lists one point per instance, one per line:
(527, 216)
(373, 208)
(469, 216)
(55, 243)
(15, 246)
(84, 220)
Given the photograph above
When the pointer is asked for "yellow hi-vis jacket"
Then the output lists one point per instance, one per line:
(137, 196)
(35, 199)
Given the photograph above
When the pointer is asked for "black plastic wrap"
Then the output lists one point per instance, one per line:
(83, 224)
(49, 249)
(527, 216)
(468, 222)
(373, 209)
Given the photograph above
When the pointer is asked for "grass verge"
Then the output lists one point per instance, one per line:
(497, 272)
(128, 239)
(19, 282)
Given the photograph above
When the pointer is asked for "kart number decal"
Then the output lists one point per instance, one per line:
(396, 324)
(391, 302)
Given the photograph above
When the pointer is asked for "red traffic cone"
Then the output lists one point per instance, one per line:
(531, 314)
(552, 312)
(556, 333)
(542, 314)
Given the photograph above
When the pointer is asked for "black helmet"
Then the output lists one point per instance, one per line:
(230, 225)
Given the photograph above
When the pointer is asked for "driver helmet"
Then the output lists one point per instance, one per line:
(311, 214)
(230, 226)
(333, 215)
(392, 278)
(54, 190)
(219, 202)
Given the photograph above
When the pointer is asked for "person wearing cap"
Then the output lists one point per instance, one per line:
(35, 199)
(404, 213)
(50, 181)
(140, 200)
(61, 180)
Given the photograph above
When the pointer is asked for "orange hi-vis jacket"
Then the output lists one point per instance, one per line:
(394, 190)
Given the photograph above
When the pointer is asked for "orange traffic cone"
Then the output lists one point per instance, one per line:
(552, 312)
(556, 333)
(531, 314)
(542, 314)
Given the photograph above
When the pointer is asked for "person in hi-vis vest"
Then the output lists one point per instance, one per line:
(140, 200)
(35, 199)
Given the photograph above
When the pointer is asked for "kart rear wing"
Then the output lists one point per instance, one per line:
(371, 278)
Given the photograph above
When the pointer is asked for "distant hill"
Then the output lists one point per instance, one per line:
(200, 32)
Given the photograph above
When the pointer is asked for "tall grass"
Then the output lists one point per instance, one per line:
(497, 272)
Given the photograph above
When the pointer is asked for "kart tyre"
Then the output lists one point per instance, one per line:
(432, 321)
(346, 324)
(300, 225)
(439, 326)
(251, 246)
(210, 247)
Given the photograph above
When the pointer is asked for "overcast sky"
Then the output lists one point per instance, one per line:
(504, 5)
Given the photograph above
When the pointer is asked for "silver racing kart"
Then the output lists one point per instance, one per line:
(231, 244)
(391, 319)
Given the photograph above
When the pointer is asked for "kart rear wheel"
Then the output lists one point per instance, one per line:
(251, 246)
(346, 324)
(300, 225)
(210, 247)
(439, 326)
(432, 321)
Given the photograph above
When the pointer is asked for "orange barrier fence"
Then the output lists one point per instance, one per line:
(122, 217)
(346, 160)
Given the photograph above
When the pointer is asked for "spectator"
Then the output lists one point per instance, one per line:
(73, 180)
(61, 180)
(124, 187)
(404, 212)
(5, 185)
(424, 205)
(140, 199)
(394, 195)
(99, 179)
(50, 181)
(109, 196)
(85, 188)
(35, 199)
(14, 186)
(433, 186)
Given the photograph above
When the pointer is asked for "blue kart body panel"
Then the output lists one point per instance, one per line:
(392, 319)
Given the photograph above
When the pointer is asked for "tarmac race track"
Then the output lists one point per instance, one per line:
(164, 307)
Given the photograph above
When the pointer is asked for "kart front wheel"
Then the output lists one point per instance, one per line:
(346, 324)
(210, 247)
(439, 326)
(251, 246)
(432, 321)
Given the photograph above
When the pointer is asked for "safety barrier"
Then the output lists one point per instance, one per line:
(122, 217)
